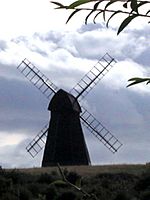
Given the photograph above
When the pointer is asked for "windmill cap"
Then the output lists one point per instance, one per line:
(62, 101)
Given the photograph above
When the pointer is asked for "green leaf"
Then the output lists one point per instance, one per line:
(134, 5)
(72, 14)
(108, 4)
(138, 80)
(135, 79)
(126, 22)
(58, 4)
(97, 4)
(125, 5)
(132, 84)
(148, 82)
(78, 3)
(78, 182)
(148, 12)
(96, 16)
(118, 11)
(58, 182)
(88, 16)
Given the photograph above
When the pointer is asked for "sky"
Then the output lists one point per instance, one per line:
(64, 53)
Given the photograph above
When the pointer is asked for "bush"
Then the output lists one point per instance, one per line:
(73, 177)
(143, 183)
(5, 185)
(69, 195)
(8, 196)
(51, 193)
(34, 188)
(24, 194)
(14, 176)
(46, 178)
(122, 196)
(145, 195)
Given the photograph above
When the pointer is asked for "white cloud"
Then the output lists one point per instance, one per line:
(125, 70)
(11, 139)
(65, 53)
(27, 17)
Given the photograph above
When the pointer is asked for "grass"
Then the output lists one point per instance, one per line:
(123, 181)
(136, 169)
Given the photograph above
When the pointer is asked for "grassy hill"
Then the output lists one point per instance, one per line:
(106, 182)
(136, 169)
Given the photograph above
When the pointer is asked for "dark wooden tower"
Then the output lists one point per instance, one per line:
(63, 138)
(65, 141)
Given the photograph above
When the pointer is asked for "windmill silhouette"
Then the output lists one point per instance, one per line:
(63, 138)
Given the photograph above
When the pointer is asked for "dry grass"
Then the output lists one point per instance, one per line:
(136, 169)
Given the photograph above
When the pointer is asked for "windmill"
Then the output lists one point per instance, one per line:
(63, 137)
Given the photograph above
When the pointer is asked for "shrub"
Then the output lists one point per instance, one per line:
(5, 184)
(51, 193)
(14, 176)
(68, 195)
(24, 194)
(8, 196)
(46, 178)
(73, 177)
(34, 188)
(122, 196)
(143, 183)
(19, 177)
(145, 195)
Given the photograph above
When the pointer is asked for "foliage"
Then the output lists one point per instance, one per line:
(68, 195)
(46, 178)
(76, 187)
(122, 196)
(73, 177)
(143, 183)
(112, 186)
(137, 80)
(145, 195)
(51, 193)
(24, 193)
(8, 196)
(130, 8)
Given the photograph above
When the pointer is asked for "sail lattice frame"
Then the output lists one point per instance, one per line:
(99, 131)
(84, 86)
(38, 143)
(37, 78)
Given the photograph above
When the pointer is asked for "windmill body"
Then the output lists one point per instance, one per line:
(65, 142)
(63, 138)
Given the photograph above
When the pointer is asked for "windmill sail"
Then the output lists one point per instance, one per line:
(37, 78)
(99, 131)
(38, 143)
(84, 86)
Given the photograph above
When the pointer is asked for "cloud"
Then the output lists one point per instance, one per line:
(64, 57)
(3, 45)
(18, 104)
(88, 44)
(17, 156)
(125, 70)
